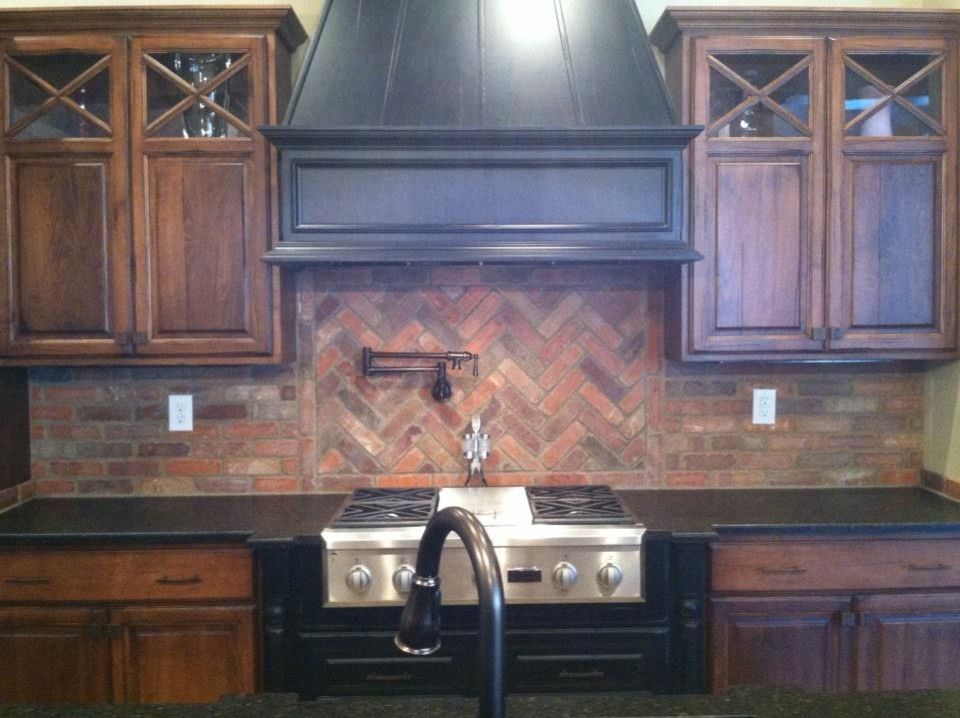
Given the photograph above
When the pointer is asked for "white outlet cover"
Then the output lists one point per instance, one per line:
(181, 412)
(764, 406)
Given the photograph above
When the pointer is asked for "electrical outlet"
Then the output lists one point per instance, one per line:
(181, 412)
(764, 406)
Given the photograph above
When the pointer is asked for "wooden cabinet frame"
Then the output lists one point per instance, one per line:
(825, 308)
(159, 257)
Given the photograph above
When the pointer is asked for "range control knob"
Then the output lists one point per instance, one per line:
(564, 575)
(359, 578)
(403, 579)
(609, 576)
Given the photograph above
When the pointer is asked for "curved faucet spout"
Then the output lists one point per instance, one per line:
(419, 632)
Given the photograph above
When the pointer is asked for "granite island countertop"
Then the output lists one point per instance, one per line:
(685, 514)
(762, 703)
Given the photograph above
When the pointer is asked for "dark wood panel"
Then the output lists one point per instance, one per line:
(802, 642)
(436, 76)
(909, 642)
(199, 234)
(895, 238)
(62, 246)
(525, 76)
(186, 654)
(14, 427)
(760, 245)
(54, 655)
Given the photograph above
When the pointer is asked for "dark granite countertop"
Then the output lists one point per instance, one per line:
(763, 703)
(259, 519)
(689, 514)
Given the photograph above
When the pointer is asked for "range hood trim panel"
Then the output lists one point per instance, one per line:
(512, 196)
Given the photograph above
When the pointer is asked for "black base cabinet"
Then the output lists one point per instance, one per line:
(654, 646)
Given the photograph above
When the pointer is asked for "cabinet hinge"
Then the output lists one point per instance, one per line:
(96, 630)
(849, 619)
(138, 338)
(125, 341)
(836, 334)
(114, 630)
(818, 334)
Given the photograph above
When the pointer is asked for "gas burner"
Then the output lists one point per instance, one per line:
(387, 507)
(595, 504)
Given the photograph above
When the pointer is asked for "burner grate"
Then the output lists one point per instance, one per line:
(594, 504)
(387, 507)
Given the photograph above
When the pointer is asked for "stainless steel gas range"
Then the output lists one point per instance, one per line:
(554, 544)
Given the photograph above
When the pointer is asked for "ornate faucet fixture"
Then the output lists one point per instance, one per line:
(476, 447)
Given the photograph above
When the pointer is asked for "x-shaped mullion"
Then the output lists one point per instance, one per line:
(895, 94)
(761, 95)
(61, 95)
(196, 94)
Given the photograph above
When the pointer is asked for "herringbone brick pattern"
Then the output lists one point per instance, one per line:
(562, 386)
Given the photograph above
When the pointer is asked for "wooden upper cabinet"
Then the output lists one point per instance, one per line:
(65, 252)
(822, 190)
(758, 211)
(893, 165)
(200, 183)
(138, 191)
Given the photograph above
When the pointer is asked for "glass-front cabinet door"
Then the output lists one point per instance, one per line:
(892, 254)
(200, 222)
(757, 213)
(65, 252)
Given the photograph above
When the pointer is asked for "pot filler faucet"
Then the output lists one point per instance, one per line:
(419, 632)
(476, 448)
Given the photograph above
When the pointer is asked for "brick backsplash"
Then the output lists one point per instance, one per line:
(573, 388)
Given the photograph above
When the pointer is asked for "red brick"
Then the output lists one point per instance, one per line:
(564, 443)
(51, 412)
(56, 488)
(133, 468)
(252, 466)
(76, 468)
(104, 413)
(192, 467)
(163, 449)
(280, 447)
(252, 429)
(214, 412)
(72, 393)
(710, 462)
(687, 478)
(74, 431)
(276, 485)
(561, 392)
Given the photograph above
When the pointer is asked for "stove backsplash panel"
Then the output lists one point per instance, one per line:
(573, 388)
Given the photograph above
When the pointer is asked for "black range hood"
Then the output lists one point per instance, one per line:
(445, 131)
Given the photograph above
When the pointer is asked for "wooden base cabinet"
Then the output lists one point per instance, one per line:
(868, 614)
(57, 655)
(823, 187)
(147, 625)
(138, 193)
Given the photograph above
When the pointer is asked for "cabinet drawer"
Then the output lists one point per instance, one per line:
(786, 565)
(370, 664)
(214, 572)
(562, 661)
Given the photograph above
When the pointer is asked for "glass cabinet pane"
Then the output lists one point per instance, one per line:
(211, 98)
(893, 95)
(778, 85)
(58, 96)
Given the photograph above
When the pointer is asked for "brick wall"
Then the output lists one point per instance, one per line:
(573, 387)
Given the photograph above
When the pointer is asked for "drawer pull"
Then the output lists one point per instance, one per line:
(928, 567)
(388, 677)
(595, 673)
(792, 570)
(27, 581)
(165, 581)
